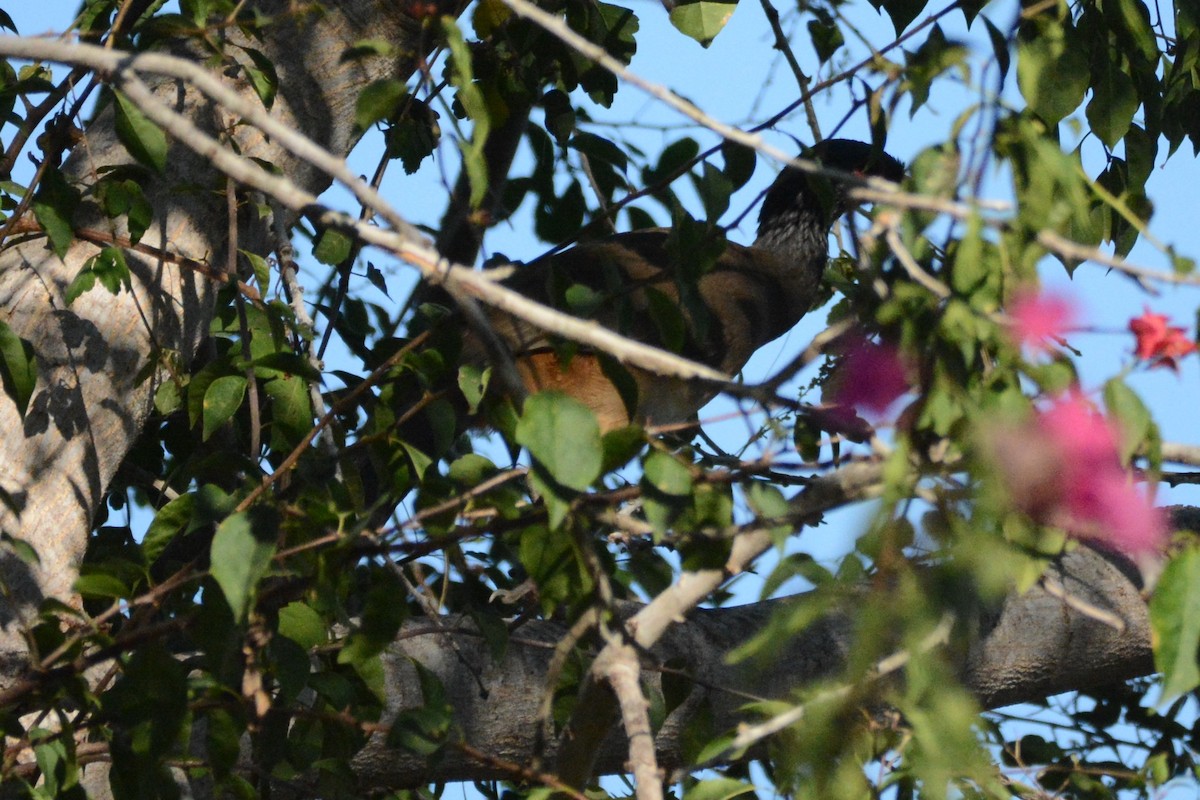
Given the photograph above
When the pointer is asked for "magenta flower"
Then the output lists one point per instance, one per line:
(1081, 434)
(869, 377)
(1107, 507)
(1063, 469)
(1040, 319)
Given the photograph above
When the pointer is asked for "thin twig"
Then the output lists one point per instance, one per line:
(1053, 241)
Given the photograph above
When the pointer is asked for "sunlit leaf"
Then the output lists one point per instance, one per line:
(142, 137)
(1175, 623)
(563, 435)
(221, 401)
(702, 19)
(239, 559)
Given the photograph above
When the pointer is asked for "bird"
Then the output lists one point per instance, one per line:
(640, 285)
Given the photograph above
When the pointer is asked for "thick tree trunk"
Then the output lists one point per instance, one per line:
(93, 396)
(1047, 641)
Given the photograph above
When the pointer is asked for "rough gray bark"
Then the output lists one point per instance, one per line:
(1036, 645)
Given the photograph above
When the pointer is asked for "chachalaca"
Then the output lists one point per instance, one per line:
(635, 284)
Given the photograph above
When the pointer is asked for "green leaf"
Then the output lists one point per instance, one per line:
(108, 267)
(380, 100)
(970, 268)
(666, 474)
(378, 624)
(125, 197)
(597, 148)
(1135, 422)
(414, 136)
(740, 163)
(674, 158)
(702, 20)
(376, 279)
(471, 98)
(171, 520)
(470, 470)
(1052, 70)
(1134, 17)
(718, 789)
(303, 625)
(111, 269)
(559, 115)
(1113, 104)
(222, 399)
(239, 559)
(1175, 624)
(714, 188)
(825, 34)
(18, 367)
(260, 267)
(101, 585)
(564, 436)
(263, 76)
(281, 364)
(934, 57)
(473, 383)
(999, 48)
(424, 728)
(901, 12)
(291, 410)
(149, 704)
(333, 247)
(144, 140)
(54, 205)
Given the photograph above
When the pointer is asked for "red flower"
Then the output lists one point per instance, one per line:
(868, 377)
(1159, 342)
(1063, 469)
(1039, 319)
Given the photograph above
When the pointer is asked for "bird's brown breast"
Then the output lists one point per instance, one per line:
(632, 284)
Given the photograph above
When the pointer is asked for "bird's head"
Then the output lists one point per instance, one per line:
(800, 204)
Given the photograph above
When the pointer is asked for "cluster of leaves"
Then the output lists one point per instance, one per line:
(292, 593)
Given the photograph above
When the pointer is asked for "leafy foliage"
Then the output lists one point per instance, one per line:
(286, 511)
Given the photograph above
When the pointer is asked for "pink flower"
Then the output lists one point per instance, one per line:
(868, 377)
(1079, 431)
(1106, 506)
(1159, 342)
(1063, 469)
(1038, 319)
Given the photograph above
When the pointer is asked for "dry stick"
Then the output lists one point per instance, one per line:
(122, 68)
(622, 671)
(914, 270)
(288, 273)
(1053, 241)
(521, 773)
(243, 321)
(802, 80)
(1181, 453)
